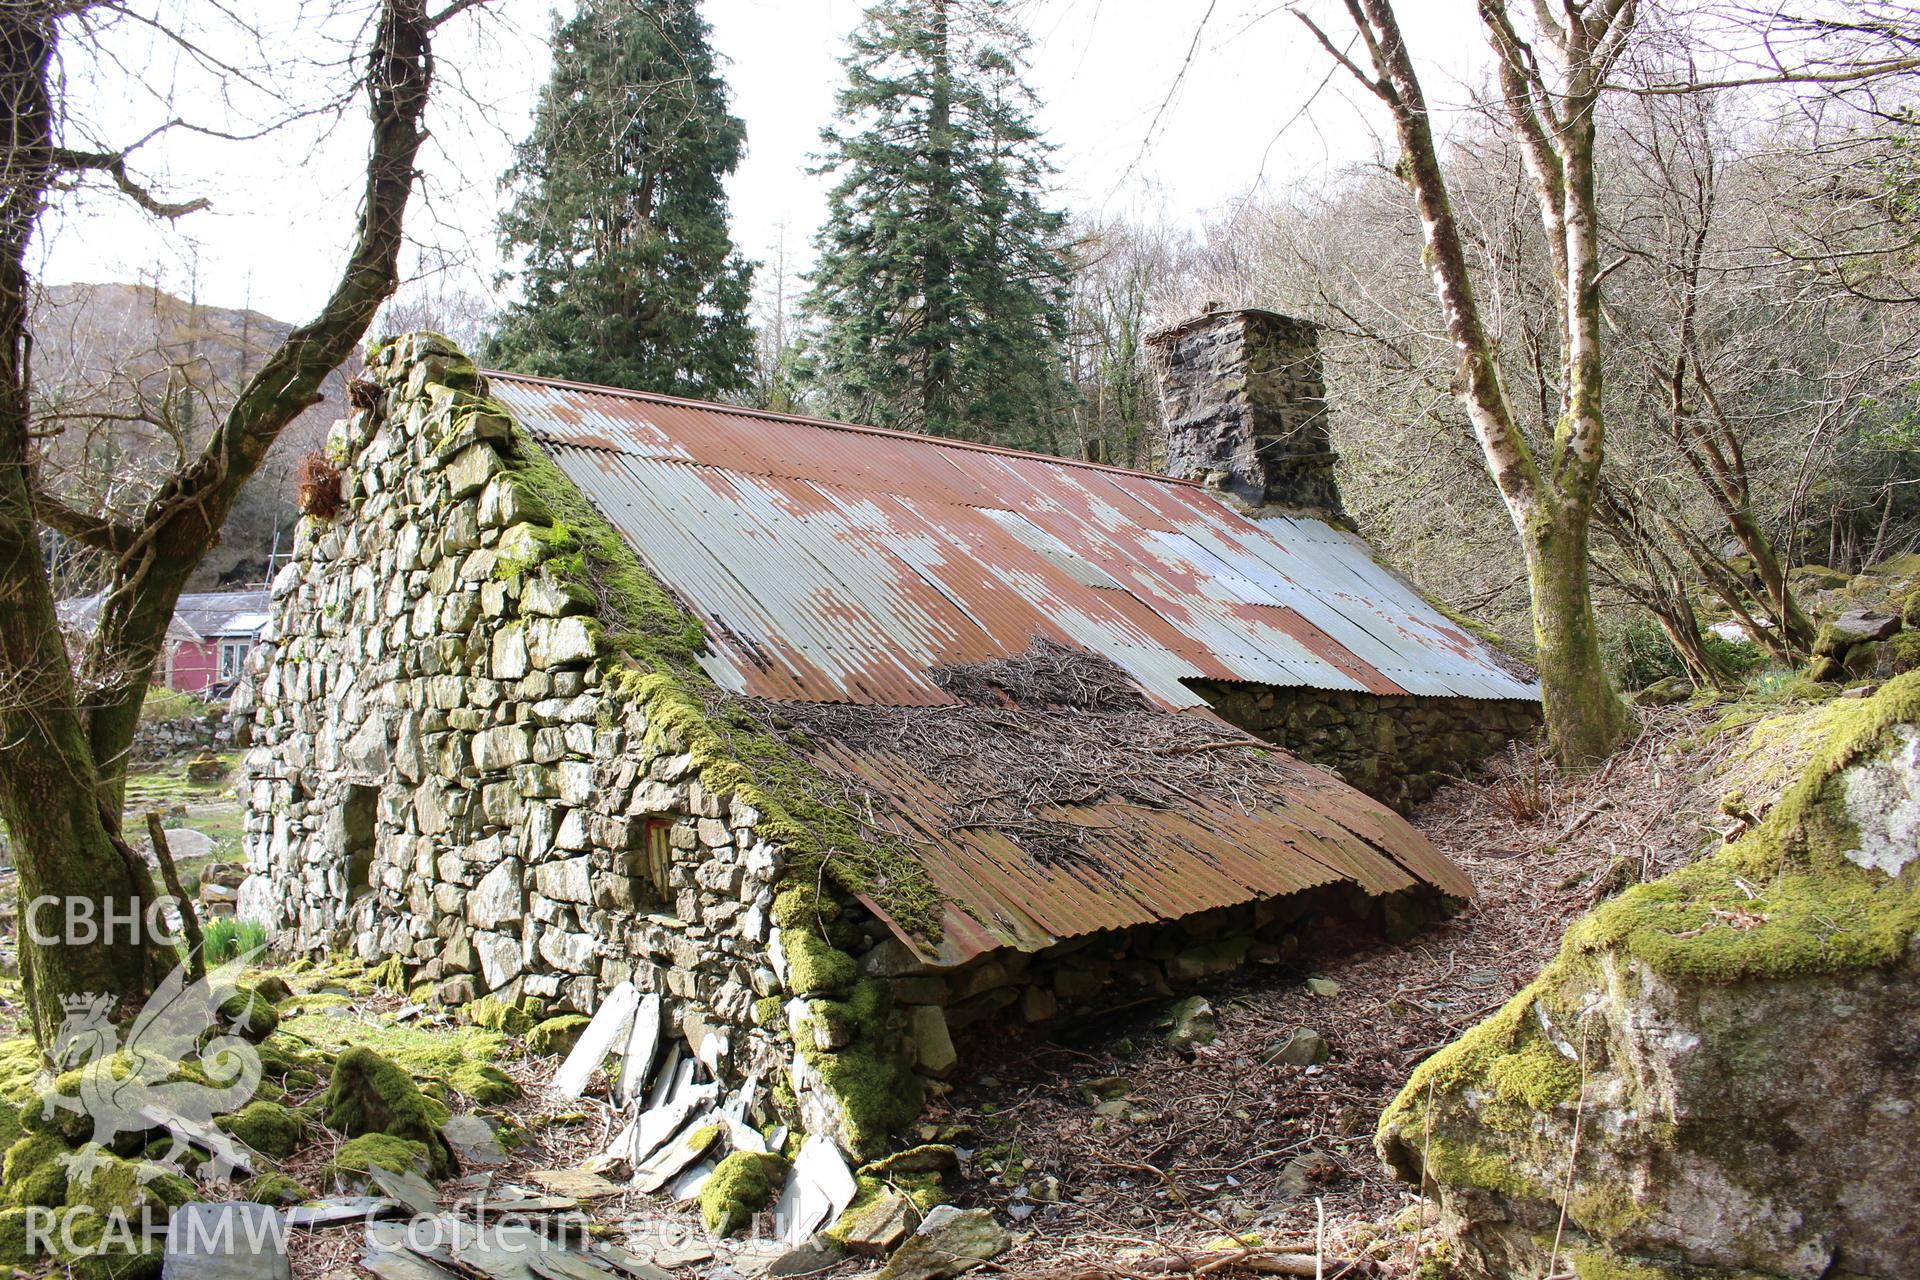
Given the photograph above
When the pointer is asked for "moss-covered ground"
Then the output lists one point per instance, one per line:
(211, 808)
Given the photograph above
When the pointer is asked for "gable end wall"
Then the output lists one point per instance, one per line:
(435, 773)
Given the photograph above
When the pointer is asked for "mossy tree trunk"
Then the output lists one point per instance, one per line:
(67, 735)
(1550, 488)
(1585, 717)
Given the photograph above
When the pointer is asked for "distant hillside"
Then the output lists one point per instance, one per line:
(107, 352)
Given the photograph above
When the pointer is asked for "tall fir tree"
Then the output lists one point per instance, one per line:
(629, 275)
(940, 290)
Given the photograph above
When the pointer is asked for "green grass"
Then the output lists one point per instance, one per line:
(213, 809)
(163, 706)
(226, 938)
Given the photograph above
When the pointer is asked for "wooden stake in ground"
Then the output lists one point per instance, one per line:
(189, 919)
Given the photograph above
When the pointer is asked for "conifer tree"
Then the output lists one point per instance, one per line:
(939, 288)
(629, 275)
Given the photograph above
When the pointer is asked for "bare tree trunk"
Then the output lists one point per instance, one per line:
(67, 740)
(1550, 497)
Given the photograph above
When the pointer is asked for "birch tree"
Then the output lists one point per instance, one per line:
(1551, 72)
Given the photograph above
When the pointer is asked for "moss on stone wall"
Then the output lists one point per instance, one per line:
(649, 649)
(869, 1074)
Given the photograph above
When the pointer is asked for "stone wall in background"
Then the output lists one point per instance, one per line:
(1397, 748)
(183, 735)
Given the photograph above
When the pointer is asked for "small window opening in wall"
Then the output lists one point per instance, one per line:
(659, 854)
(356, 839)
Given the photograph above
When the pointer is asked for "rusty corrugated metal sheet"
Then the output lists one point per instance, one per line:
(1141, 865)
(839, 563)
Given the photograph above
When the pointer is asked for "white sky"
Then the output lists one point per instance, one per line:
(1257, 104)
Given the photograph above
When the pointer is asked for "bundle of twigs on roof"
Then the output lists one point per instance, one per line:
(1034, 737)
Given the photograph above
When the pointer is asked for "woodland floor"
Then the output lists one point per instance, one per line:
(1218, 1144)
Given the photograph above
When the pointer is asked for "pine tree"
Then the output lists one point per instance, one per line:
(629, 274)
(939, 288)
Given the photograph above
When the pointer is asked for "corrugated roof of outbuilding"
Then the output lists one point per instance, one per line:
(832, 562)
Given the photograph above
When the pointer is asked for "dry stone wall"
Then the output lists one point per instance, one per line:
(211, 730)
(450, 762)
(1398, 749)
(437, 770)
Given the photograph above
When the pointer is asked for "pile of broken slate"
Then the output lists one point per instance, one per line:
(680, 1123)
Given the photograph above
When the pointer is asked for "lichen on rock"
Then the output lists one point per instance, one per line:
(1720, 1038)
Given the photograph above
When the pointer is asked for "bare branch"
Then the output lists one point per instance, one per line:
(114, 165)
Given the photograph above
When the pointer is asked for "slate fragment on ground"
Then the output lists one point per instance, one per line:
(225, 1240)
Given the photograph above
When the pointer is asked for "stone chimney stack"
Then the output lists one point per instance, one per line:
(1246, 409)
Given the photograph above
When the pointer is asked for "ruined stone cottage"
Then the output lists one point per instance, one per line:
(838, 741)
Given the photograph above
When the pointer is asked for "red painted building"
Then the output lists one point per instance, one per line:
(207, 642)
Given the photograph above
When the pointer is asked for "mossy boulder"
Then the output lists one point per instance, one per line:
(496, 1014)
(369, 1095)
(273, 988)
(445, 1059)
(482, 1082)
(283, 1058)
(390, 974)
(107, 1248)
(741, 1186)
(1721, 1039)
(358, 1157)
(557, 1035)
(815, 966)
(34, 1172)
(128, 1189)
(250, 1014)
(56, 1109)
(1903, 651)
(267, 1127)
(13, 1238)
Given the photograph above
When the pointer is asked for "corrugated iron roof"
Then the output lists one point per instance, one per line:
(197, 616)
(833, 563)
(1139, 865)
(840, 563)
